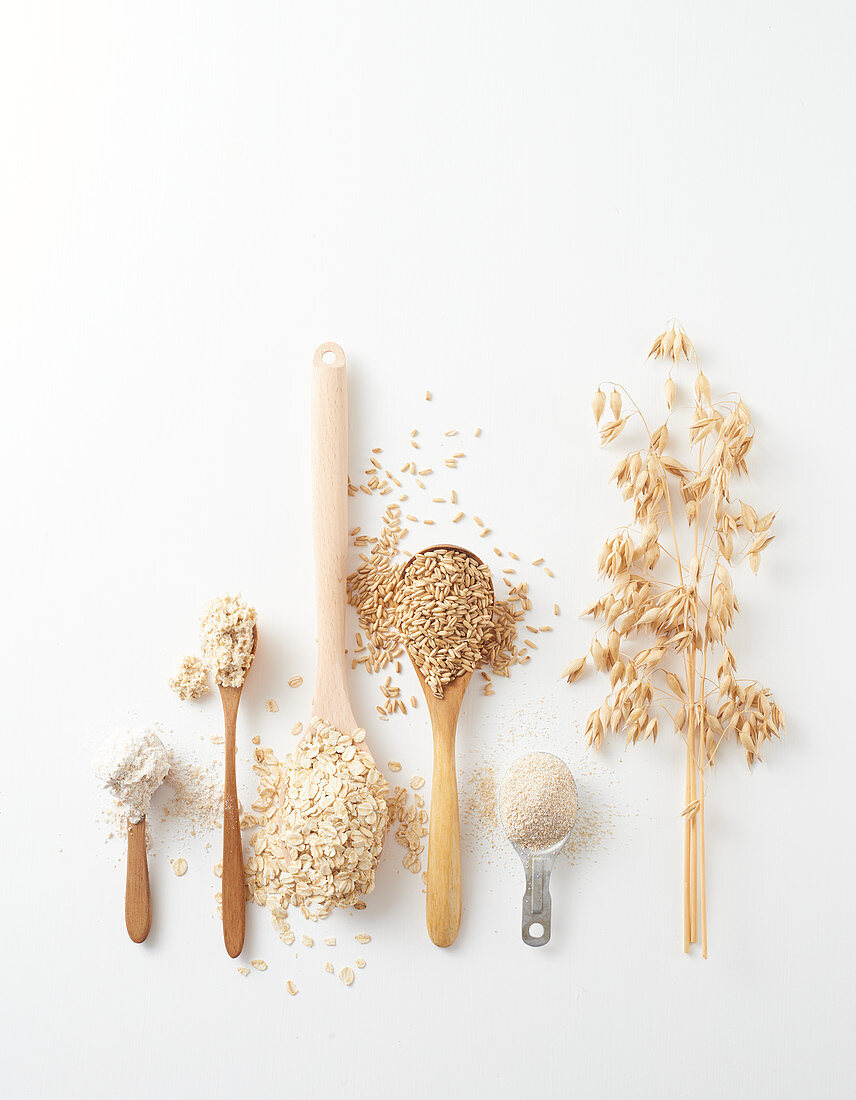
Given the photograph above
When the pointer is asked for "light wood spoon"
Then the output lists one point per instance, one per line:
(443, 901)
(138, 893)
(330, 532)
(234, 903)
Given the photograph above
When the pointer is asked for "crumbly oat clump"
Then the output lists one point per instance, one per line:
(228, 630)
(192, 679)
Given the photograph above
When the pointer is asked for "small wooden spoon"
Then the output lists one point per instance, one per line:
(138, 894)
(234, 905)
(443, 902)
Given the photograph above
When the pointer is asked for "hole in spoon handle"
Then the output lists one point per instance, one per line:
(537, 903)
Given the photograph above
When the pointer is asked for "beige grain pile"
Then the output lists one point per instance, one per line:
(538, 801)
(192, 679)
(376, 588)
(444, 614)
(323, 816)
(227, 638)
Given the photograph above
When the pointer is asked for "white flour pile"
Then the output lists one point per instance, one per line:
(132, 764)
(538, 801)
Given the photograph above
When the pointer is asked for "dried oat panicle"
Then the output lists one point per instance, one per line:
(664, 621)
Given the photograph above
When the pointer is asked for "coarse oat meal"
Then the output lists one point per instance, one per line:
(538, 801)
(227, 638)
(192, 679)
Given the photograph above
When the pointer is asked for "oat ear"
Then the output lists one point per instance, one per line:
(684, 617)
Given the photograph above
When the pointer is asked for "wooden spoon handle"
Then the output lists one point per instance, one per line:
(443, 903)
(138, 895)
(330, 530)
(234, 905)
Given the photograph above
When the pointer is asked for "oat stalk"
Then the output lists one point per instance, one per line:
(665, 620)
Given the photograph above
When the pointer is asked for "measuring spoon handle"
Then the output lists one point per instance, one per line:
(537, 903)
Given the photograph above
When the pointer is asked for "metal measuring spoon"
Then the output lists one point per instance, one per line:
(515, 805)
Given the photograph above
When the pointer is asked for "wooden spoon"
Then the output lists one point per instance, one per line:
(234, 904)
(443, 902)
(138, 894)
(330, 532)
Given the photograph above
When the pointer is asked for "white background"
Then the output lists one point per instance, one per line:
(503, 203)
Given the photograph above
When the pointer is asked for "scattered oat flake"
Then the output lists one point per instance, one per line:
(243, 970)
(330, 941)
(292, 988)
(295, 681)
(328, 966)
(271, 706)
(307, 941)
(427, 395)
(346, 975)
(259, 964)
(180, 867)
(416, 782)
(361, 963)
(394, 766)
(363, 937)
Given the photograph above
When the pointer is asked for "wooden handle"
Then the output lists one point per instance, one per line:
(138, 894)
(234, 906)
(330, 531)
(443, 902)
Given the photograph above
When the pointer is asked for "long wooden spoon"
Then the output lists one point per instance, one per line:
(330, 532)
(138, 893)
(443, 901)
(234, 904)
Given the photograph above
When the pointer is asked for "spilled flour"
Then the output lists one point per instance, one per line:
(525, 729)
(188, 803)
